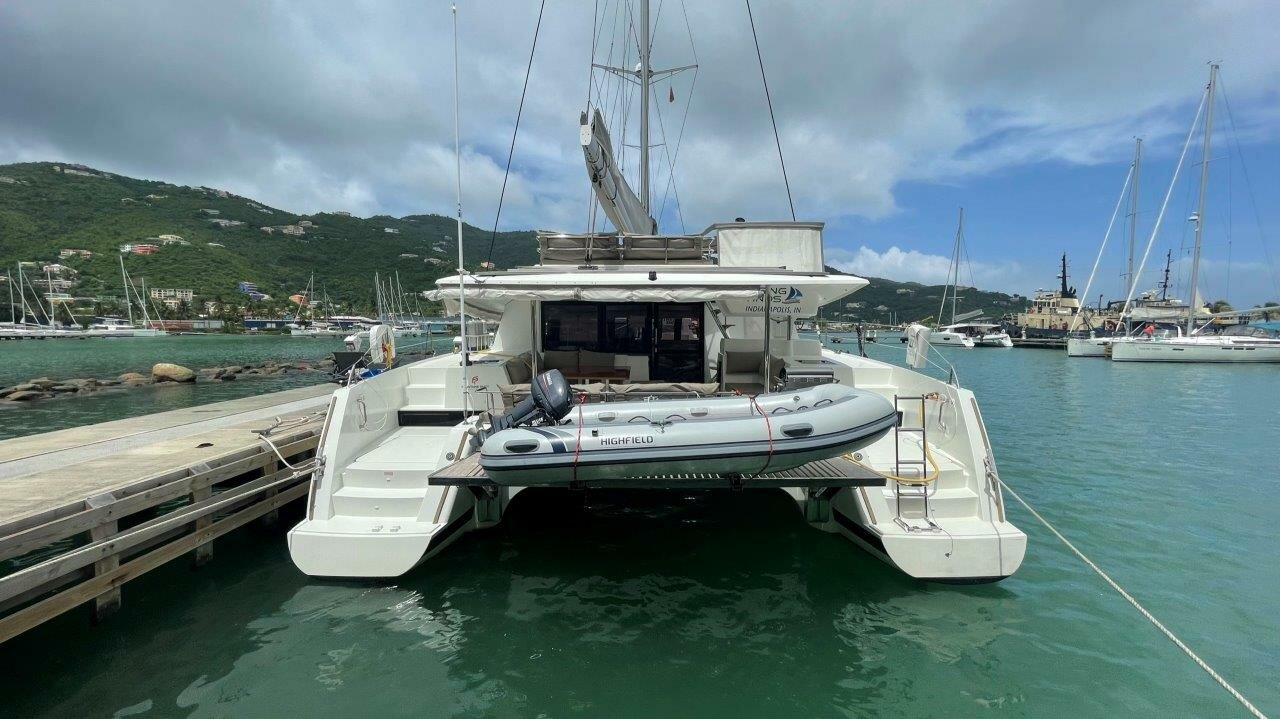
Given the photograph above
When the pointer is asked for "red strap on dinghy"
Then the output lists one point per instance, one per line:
(768, 429)
(577, 444)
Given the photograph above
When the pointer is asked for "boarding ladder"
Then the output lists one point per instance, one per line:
(905, 486)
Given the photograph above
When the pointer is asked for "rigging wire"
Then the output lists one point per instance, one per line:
(515, 132)
(671, 167)
(1253, 200)
(769, 100)
(693, 84)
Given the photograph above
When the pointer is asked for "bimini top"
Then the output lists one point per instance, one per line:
(740, 291)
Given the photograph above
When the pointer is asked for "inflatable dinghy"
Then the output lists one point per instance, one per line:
(719, 435)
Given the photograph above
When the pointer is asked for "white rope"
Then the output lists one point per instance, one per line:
(1248, 705)
(282, 423)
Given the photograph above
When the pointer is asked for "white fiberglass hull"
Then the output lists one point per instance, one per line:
(1195, 349)
(1087, 347)
(951, 339)
(995, 339)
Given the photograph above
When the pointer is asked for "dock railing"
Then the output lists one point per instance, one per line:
(84, 551)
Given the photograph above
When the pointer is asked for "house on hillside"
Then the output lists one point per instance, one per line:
(177, 295)
(246, 287)
(169, 239)
(53, 268)
(139, 248)
(69, 252)
(487, 265)
(211, 212)
(391, 230)
(306, 223)
(293, 230)
(342, 213)
(905, 291)
(268, 230)
(407, 256)
(214, 244)
(226, 223)
(434, 260)
(156, 197)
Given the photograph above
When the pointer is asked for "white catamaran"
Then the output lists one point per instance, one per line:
(680, 348)
(960, 332)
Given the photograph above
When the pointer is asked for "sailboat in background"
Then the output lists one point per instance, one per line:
(311, 325)
(1243, 343)
(961, 333)
(116, 327)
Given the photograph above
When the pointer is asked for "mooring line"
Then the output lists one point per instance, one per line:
(1244, 701)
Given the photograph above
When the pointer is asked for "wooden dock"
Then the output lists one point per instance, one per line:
(1056, 343)
(84, 510)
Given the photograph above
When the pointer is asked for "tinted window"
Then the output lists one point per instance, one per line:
(626, 327)
(570, 327)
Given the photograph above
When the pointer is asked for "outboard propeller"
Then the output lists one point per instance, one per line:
(550, 399)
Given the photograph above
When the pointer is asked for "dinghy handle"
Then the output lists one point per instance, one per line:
(797, 430)
(520, 446)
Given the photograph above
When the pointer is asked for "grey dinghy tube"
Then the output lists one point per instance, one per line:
(722, 435)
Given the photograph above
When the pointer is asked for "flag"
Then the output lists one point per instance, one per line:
(671, 94)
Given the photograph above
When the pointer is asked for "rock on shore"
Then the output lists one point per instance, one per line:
(168, 372)
(163, 372)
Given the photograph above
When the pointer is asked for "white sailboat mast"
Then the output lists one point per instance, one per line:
(645, 75)
(1204, 181)
(13, 310)
(952, 272)
(124, 281)
(462, 268)
(1133, 211)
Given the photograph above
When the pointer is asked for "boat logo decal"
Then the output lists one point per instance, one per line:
(634, 439)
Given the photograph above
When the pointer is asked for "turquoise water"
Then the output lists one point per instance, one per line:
(719, 604)
(109, 357)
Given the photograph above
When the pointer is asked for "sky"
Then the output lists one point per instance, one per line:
(891, 116)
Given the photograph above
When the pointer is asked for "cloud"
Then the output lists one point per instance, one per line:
(348, 105)
(913, 266)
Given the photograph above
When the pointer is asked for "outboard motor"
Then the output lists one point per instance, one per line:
(550, 399)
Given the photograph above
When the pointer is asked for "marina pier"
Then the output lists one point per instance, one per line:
(84, 510)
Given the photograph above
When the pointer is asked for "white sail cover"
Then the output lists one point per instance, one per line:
(620, 203)
(917, 345)
(382, 345)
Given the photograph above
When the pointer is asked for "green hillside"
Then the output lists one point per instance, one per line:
(46, 207)
(914, 302)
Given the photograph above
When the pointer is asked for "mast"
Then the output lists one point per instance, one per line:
(1164, 286)
(48, 278)
(13, 311)
(955, 264)
(22, 294)
(1204, 181)
(954, 270)
(124, 280)
(1133, 209)
(457, 160)
(645, 74)
(142, 302)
